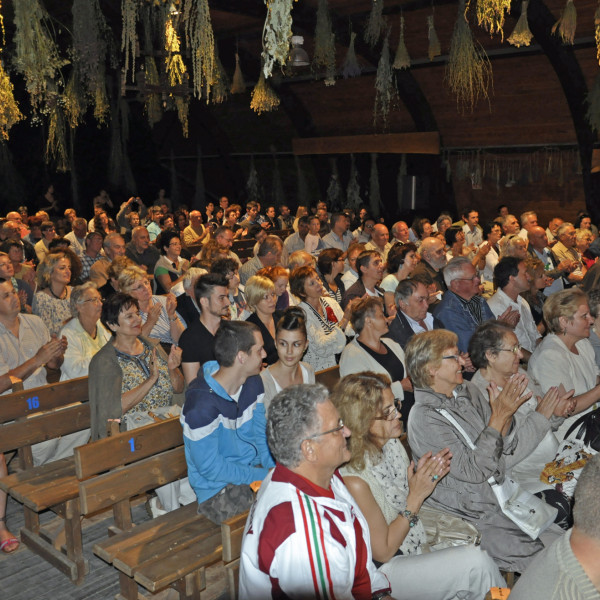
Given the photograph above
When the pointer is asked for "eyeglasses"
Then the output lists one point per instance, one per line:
(389, 414)
(451, 356)
(476, 276)
(334, 430)
(93, 300)
(515, 349)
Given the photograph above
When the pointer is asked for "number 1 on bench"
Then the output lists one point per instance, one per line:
(132, 445)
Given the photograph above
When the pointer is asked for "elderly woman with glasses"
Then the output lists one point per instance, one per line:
(261, 299)
(565, 358)
(495, 351)
(443, 403)
(390, 490)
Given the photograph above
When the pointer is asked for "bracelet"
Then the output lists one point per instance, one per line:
(380, 595)
(413, 518)
(173, 319)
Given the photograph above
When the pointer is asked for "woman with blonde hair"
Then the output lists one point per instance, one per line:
(261, 300)
(158, 313)
(280, 276)
(390, 491)
(52, 302)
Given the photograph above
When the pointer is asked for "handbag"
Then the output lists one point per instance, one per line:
(587, 429)
(528, 512)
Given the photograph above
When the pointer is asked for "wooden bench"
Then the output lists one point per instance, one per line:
(27, 418)
(328, 377)
(232, 532)
(172, 550)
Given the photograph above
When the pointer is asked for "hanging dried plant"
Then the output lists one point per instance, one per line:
(252, 185)
(182, 104)
(129, 15)
(335, 194)
(239, 85)
(56, 145)
(521, 35)
(386, 93)
(567, 23)
(220, 84)
(402, 59)
(375, 23)
(264, 99)
(74, 106)
(593, 100)
(9, 109)
(324, 55)
(469, 72)
(351, 67)
(153, 105)
(36, 53)
(374, 193)
(435, 48)
(353, 188)
(101, 105)
(277, 34)
(330, 72)
(201, 42)
(174, 66)
(491, 15)
(597, 32)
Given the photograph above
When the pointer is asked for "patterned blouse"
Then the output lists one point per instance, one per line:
(136, 369)
(53, 311)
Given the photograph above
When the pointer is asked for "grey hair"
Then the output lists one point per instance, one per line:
(562, 228)
(594, 302)
(525, 216)
(404, 290)
(586, 511)
(453, 270)
(78, 292)
(191, 275)
(108, 240)
(293, 418)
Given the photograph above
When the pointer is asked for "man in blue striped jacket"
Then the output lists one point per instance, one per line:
(223, 423)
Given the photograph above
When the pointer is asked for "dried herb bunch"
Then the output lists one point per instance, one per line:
(566, 25)
(351, 67)
(468, 72)
(402, 58)
(9, 109)
(264, 99)
(238, 85)
(174, 64)
(324, 55)
(435, 48)
(36, 53)
(201, 43)
(597, 32)
(129, 15)
(375, 23)
(386, 93)
(491, 15)
(277, 34)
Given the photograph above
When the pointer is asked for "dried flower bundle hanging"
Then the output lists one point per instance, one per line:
(253, 185)
(374, 193)
(56, 145)
(220, 84)
(375, 23)
(386, 93)
(435, 48)
(521, 35)
(351, 67)
(593, 100)
(201, 42)
(402, 59)
(277, 34)
(597, 32)
(469, 72)
(153, 105)
(36, 53)
(330, 72)
(238, 85)
(335, 194)
(264, 99)
(129, 15)
(491, 15)
(101, 105)
(567, 23)
(182, 104)
(324, 55)
(174, 65)
(74, 106)
(9, 109)
(353, 188)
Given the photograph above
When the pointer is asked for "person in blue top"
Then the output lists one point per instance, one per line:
(224, 426)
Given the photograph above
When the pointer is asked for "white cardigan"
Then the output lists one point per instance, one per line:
(355, 359)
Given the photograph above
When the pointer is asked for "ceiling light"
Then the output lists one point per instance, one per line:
(298, 55)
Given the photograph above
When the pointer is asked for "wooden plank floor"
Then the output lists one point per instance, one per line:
(25, 576)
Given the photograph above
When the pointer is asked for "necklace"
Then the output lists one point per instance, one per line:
(62, 296)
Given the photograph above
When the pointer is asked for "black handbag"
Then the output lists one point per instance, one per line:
(587, 429)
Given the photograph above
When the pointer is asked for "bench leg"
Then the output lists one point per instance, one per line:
(129, 588)
(73, 538)
(191, 585)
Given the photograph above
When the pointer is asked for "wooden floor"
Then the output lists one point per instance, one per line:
(25, 576)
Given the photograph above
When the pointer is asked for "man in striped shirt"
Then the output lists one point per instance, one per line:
(305, 536)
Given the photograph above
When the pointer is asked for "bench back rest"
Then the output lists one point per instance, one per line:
(328, 377)
(25, 403)
(127, 447)
(121, 484)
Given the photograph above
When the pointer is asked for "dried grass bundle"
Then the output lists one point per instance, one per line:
(253, 187)
(277, 34)
(152, 104)
(330, 72)
(351, 67)
(402, 59)
(567, 23)
(335, 194)
(353, 188)
(597, 32)
(521, 35)
(324, 55)
(129, 15)
(220, 84)
(9, 109)
(239, 85)
(375, 23)
(264, 99)
(201, 43)
(174, 65)
(385, 88)
(435, 48)
(56, 145)
(469, 72)
(491, 15)
(182, 104)
(593, 100)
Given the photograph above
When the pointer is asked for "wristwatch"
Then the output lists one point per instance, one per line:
(413, 518)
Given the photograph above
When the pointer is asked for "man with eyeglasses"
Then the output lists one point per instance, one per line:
(306, 536)
(223, 421)
(565, 249)
(462, 308)
(511, 279)
(362, 235)
(429, 269)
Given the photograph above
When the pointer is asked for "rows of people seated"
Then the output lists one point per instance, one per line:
(480, 342)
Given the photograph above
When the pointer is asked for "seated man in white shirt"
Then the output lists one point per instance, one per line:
(511, 278)
(313, 242)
